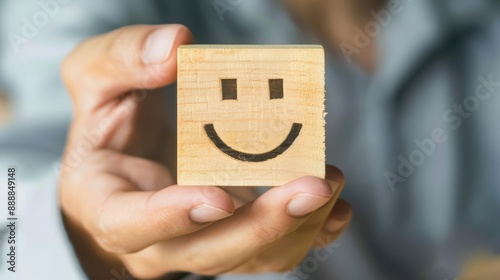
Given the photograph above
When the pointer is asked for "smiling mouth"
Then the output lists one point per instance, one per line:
(223, 147)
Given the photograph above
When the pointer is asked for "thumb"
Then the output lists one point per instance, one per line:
(104, 67)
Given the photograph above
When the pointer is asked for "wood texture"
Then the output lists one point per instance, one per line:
(267, 131)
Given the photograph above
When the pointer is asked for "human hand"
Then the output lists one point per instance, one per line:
(119, 198)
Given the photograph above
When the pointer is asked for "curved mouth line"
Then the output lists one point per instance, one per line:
(223, 147)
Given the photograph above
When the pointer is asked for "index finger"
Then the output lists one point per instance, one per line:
(122, 218)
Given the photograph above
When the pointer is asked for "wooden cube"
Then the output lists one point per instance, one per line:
(250, 115)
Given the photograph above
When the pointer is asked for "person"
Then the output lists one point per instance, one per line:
(412, 98)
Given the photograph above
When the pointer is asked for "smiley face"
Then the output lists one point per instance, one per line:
(253, 115)
(230, 92)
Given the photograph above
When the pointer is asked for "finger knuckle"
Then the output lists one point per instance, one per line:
(162, 223)
(68, 70)
(105, 239)
(269, 233)
(77, 69)
(123, 51)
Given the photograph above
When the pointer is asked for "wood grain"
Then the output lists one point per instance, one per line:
(278, 100)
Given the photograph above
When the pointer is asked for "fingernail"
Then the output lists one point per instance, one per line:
(159, 45)
(303, 204)
(205, 213)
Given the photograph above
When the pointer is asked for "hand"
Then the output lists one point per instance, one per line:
(117, 194)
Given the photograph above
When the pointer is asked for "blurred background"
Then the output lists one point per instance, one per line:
(413, 101)
(4, 108)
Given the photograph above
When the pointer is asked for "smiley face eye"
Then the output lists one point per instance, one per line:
(276, 88)
(230, 89)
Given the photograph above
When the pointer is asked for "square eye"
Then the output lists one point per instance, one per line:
(276, 88)
(229, 89)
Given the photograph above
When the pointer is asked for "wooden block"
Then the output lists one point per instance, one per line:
(250, 115)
